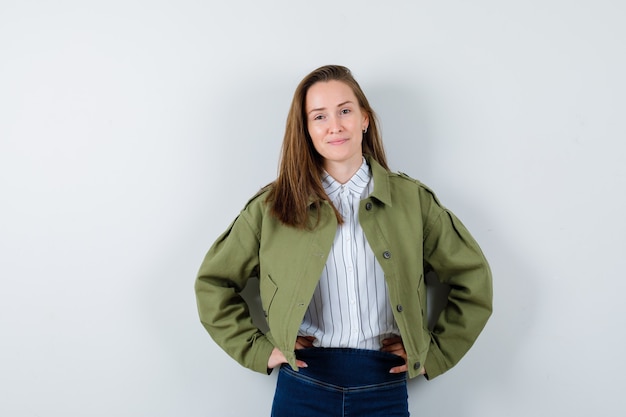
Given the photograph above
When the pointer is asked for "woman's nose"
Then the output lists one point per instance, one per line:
(335, 125)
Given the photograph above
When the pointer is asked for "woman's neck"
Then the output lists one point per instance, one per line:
(343, 171)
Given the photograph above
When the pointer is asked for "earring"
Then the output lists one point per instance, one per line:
(365, 130)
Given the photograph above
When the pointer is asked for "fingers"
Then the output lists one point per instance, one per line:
(304, 342)
(395, 346)
(396, 349)
(392, 342)
(398, 369)
(277, 358)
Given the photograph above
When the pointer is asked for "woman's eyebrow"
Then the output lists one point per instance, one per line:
(324, 108)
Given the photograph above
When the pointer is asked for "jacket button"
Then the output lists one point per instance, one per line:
(386, 254)
(399, 308)
(368, 206)
(417, 366)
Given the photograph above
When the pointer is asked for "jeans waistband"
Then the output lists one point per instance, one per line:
(347, 367)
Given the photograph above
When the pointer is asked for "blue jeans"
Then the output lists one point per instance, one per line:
(342, 383)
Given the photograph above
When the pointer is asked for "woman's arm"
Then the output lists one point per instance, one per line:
(226, 268)
(458, 262)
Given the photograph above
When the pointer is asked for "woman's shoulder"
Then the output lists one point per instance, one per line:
(397, 178)
(411, 184)
(409, 181)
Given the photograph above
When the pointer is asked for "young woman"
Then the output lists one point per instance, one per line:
(340, 245)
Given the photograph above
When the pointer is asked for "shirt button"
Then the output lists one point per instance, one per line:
(417, 366)
(399, 308)
(386, 254)
(368, 206)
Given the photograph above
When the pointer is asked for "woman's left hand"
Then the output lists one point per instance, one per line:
(395, 346)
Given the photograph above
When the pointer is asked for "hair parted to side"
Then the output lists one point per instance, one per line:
(299, 184)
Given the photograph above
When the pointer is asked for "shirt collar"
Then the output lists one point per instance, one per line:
(356, 185)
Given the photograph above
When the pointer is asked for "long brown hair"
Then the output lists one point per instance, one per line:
(299, 184)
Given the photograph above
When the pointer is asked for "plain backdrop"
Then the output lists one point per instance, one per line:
(132, 133)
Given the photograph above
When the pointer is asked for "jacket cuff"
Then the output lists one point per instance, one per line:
(435, 362)
(264, 350)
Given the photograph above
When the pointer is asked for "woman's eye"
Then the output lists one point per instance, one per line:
(345, 111)
(318, 117)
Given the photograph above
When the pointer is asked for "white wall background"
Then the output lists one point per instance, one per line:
(132, 132)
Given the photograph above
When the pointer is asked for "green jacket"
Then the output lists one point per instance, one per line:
(408, 230)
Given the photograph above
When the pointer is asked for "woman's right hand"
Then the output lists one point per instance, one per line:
(304, 342)
(277, 358)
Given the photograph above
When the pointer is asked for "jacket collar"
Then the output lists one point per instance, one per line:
(382, 191)
(380, 176)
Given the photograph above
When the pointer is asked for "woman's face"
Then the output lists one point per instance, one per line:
(335, 123)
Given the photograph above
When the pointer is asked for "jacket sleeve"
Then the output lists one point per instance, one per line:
(226, 268)
(458, 262)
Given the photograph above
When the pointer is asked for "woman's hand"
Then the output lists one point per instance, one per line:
(277, 358)
(304, 342)
(395, 346)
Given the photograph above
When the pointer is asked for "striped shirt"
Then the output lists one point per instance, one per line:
(350, 306)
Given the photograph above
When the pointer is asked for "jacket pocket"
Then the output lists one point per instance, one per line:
(268, 289)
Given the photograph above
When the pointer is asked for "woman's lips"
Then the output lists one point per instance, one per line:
(337, 141)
